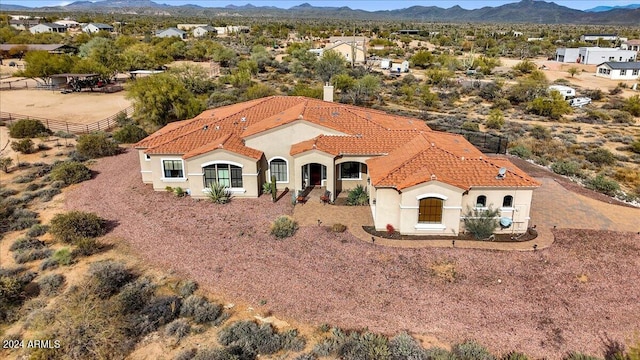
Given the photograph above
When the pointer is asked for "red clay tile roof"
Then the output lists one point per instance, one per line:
(427, 157)
(372, 144)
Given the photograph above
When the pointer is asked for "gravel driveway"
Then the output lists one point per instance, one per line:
(542, 304)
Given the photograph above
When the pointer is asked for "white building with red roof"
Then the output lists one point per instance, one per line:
(420, 181)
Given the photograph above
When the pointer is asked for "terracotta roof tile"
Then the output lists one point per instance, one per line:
(421, 160)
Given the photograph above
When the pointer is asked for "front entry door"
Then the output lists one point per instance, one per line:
(316, 174)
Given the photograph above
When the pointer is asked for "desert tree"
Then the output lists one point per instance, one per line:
(331, 63)
(573, 71)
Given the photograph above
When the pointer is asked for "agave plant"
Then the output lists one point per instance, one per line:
(218, 193)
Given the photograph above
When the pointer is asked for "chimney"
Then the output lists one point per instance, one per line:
(328, 93)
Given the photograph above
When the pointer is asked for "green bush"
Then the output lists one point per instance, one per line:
(86, 247)
(96, 145)
(130, 134)
(27, 128)
(5, 164)
(218, 193)
(603, 184)
(73, 226)
(358, 196)
(178, 328)
(187, 288)
(109, 277)
(470, 350)
(567, 168)
(540, 132)
(513, 355)
(63, 257)
(470, 126)
(601, 156)
(24, 146)
(70, 172)
(495, 120)
(200, 309)
(481, 223)
(250, 338)
(635, 146)
(159, 311)
(51, 284)
(284, 227)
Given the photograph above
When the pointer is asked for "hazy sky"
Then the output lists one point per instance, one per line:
(354, 4)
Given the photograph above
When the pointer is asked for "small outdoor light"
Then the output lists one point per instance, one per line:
(453, 243)
(535, 247)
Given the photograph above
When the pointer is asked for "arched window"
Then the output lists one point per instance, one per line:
(481, 201)
(507, 201)
(430, 211)
(279, 168)
(224, 174)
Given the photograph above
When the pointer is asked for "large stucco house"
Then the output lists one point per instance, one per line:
(419, 180)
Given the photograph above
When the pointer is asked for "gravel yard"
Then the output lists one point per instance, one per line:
(543, 303)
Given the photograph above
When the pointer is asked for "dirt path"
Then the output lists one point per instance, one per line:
(540, 306)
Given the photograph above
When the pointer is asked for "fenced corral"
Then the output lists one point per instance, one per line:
(485, 142)
(69, 127)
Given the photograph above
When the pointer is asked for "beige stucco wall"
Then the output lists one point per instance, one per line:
(157, 178)
(145, 168)
(346, 50)
(251, 184)
(410, 200)
(276, 143)
(348, 184)
(519, 212)
(311, 157)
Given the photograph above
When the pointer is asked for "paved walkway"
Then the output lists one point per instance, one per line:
(552, 205)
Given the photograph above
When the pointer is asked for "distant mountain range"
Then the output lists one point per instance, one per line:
(525, 11)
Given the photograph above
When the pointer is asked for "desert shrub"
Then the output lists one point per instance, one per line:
(284, 226)
(354, 346)
(51, 284)
(96, 145)
(5, 163)
(338, 227)
(525, 66)
(6, 192)
(470, 126)
(481, 223)
(33, 187)
(27, 128)
(501, 104)
(130, 134)
(635, 146)
(86, 247)
(47, 194)
(187, 288)
(603, 184)
(63, 257)
(178, 328)
(218, 193)
(601, 156)
(190, 354)
(632, 105)
(622, 117)
(49, 263)
(222, 354)
(290, 340)
(495, 119)
(37, 230)
(594, 94)
(109, 277)
(615, 91)
(306, 356)
(514, 355)
(24, 146)
(358, 196)
(70, 172)
(31, 255)
(540, 132)
(64, 135)
(595, 117)
(11, 290)
(200, 309)
(157, 312)
(567, 168)
(21, 219)
(23, 179)
(470, 350)
(72, 226)
(26, 243)
(250, 337)
(404, 347)
(135, 295)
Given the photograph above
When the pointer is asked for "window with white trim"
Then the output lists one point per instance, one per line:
(634, 72)
(224, 174)
(147, 157)
(623, 72)
(172, 168)
(481, 201)
(430, 211)
(350, 170)
(279, 169)
(507, 201)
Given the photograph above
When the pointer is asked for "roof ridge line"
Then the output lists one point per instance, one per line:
(180, 136)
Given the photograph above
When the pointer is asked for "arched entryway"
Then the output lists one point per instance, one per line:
(313, 174)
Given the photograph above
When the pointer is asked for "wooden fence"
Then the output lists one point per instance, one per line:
(70, 127)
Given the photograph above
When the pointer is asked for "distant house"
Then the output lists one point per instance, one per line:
(171, 32)
(596, 37)
(408, 32)
(619, 70)
(535, 39)
(47, 28)
(201, 31)
(95, 27)
(23, 24)
(350, 51)
(67, 23)
(187, 27)
(593, 55)
(228, 30)
(359, 40)
(631, 45)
